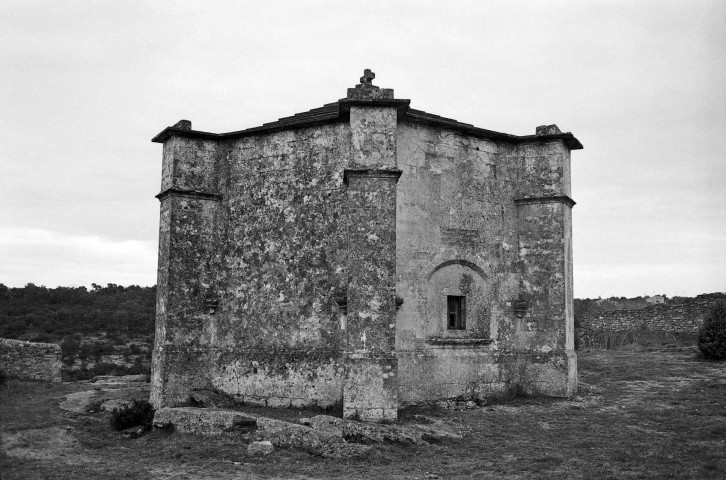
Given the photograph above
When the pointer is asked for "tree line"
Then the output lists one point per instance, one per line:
(42, 314)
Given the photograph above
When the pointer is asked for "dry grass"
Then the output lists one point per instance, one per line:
(640, 414)
(636, 337)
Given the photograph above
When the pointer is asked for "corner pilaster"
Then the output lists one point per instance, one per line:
(545, 337)
(189, 205)
(370, 390)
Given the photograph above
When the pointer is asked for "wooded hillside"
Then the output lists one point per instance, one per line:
(41, 314)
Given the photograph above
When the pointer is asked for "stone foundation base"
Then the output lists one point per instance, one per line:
(370, 390)
(553, 374)
(473, 373)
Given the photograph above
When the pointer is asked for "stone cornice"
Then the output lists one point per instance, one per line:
(338, 112)
(545, 199)
(400, 104)
(569, 139)
(178, 192)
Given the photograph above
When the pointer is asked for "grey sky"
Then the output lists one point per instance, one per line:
(85, 85)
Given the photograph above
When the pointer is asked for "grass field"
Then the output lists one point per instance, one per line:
(638, 414)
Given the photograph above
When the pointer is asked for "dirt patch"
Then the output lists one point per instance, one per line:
(40, 443)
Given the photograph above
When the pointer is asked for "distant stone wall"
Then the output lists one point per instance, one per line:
(685, 317)
(31, 360)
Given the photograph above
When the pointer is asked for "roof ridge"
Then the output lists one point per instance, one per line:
(334, 111)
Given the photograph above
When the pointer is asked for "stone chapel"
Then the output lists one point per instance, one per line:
(364, 256)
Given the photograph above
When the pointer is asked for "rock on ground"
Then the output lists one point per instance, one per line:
(260, 448)
(204, 421)
(104, 399)
(323, 435)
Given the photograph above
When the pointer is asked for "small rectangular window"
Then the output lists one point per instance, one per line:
(456, 312)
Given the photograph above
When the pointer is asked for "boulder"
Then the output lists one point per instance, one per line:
(204, 421)
(117, 404)
(260, 448)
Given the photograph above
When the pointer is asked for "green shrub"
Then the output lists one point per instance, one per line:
(76, 375)
(138, 413)
(3, 377)
(42, 338)
(712, 335)
(69, 349)
(137, 369)
(107, 368)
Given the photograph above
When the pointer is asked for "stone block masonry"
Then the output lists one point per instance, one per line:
(31, 360)
(683, 317)
(363, 256)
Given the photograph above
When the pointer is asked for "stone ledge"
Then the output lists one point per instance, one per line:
(458, 341)
(545, 199)
(377, 172)
(176, 192)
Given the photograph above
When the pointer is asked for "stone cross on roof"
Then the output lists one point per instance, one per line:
(367, 78)
(365, 90)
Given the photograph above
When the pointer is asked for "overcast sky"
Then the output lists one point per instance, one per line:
(85, 85)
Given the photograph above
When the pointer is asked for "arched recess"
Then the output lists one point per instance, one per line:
(458, 261)
(458, 282)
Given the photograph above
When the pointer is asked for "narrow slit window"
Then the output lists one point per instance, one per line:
(456, 312)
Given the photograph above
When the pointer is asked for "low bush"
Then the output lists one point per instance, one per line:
(712, 335)
(138, 413)
(138, 368)
(3, 377)
(76, 375)
(70, 346)
(107, 368)
(94, 350)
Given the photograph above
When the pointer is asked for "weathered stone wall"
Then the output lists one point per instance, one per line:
(282, 265)
(545, 341)
(371, 386)
(190, 210)
(456, 236)
(31, 360)
(685, 317)
(462, 231)
(265, 260)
